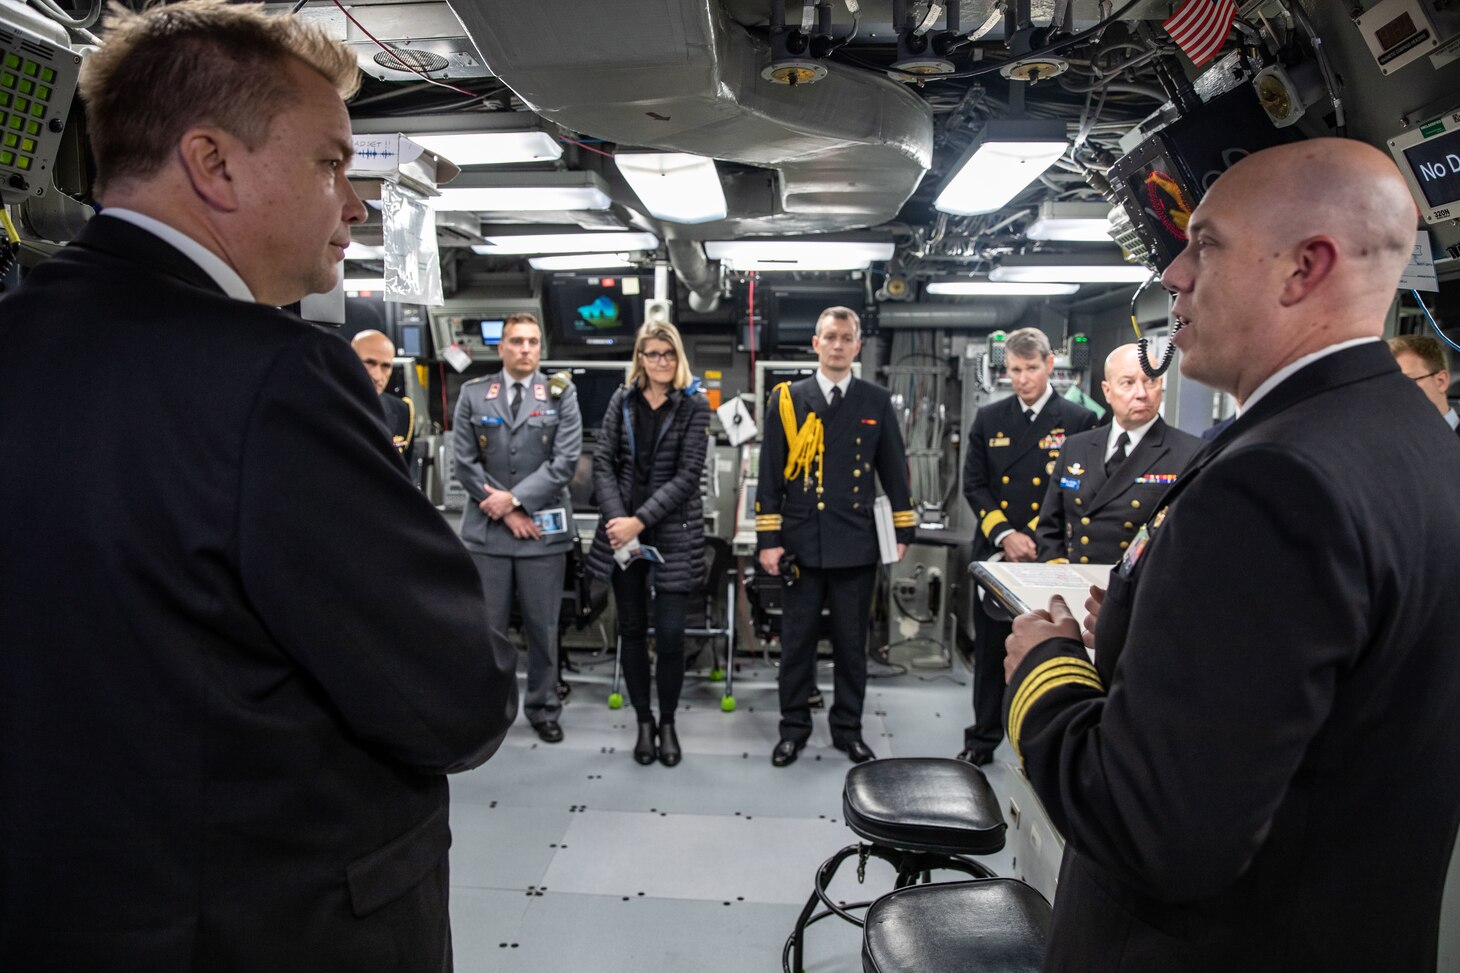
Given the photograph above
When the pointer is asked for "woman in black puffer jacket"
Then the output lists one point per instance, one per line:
(646, 473)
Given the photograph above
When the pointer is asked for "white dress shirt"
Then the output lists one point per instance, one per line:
(827, 384)
(1133, 435)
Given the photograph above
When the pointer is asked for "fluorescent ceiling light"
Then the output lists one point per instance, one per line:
(1071, 222)
(675, 186)
(566, 242)
(1007, 156)
(989, 288)
(523, 192)
(1068, 269)
(364, 283)
(773, 255)
(492, 148)
(582, 261)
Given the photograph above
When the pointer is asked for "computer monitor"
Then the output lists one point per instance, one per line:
(592, 310)
(795, 309)
(412, 341)
(595, 383)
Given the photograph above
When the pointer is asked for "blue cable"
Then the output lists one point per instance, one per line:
(1443, 337)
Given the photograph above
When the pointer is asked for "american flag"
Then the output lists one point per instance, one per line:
(1200, 27)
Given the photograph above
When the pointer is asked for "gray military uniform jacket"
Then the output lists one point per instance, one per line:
(533, 456)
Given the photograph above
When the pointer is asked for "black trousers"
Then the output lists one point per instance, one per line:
(988, 682)
(847, 592)
(631, 596)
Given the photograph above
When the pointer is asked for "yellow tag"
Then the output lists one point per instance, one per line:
(999, 441)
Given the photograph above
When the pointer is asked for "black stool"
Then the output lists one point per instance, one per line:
(917, 814)
(998, 925)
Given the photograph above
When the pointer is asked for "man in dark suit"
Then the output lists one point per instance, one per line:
(1261, 772)
(516, 437)
(377, 353)
(825, 437)
(1422, 358)
(1011, 453)
(225, 728)
(1110, 479)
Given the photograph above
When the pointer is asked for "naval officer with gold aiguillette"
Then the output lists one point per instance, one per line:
(825, 438)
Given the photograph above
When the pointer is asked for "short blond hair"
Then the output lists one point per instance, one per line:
(1422, 346)
(659, 331)
(170, 67)
(1027, 343)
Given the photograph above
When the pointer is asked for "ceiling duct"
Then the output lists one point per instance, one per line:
(425, 37)
(681, 76)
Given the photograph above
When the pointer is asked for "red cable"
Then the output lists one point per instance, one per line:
(752, 329)
(584, 145)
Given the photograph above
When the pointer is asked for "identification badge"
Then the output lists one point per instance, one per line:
(999, 441)
(540, 393)
(491, 420)
(1134, 552)
(1157, 478)
(494, 390)
(1069, 484)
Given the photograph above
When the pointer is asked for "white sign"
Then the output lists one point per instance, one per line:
(1420, 274)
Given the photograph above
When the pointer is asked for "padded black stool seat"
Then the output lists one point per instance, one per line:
(996, 925)
(919, 814)
(929, 804)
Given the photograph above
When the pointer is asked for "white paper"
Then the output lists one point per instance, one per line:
(1045, 575)
(735, 417)
(456, 357)
(1420, 274)
(886, 533)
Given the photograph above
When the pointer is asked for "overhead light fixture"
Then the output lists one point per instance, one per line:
(1068, 269)
(1071, 222)
(473, 139)
(364, 251)
(523, 192)
(798, 254)
(990, 288)
(582, 261)
(357, 284)
(675, 186)
(1007, 156)
(539, 241)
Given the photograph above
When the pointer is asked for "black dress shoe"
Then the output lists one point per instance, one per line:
(785, 753)
(669, 752)
(548, 731)
(645, 751)
(857, 750)
(976, 757)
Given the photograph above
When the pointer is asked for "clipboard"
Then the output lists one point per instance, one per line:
(1024, 588)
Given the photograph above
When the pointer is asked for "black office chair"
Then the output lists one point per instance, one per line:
(920, 815)
(994, 925)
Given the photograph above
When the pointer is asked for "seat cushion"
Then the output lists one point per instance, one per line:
(994, 925)
(929, 804)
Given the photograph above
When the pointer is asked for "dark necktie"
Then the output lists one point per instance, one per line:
(836, 397)
(516, 398)
(1029, 414)
(1117, 457)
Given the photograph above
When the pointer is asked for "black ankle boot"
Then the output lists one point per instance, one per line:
(669, 752)
(644, 750)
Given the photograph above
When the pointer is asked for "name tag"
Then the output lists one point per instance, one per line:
(491, 420)
(999, 441)
(1157, 478)
(1069, 483)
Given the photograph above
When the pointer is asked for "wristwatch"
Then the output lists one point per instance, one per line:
(516, 504)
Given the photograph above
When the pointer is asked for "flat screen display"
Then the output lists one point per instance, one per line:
(794, 313)
(411, 343)
(1436, 167)
(592, 310)
(595, 387)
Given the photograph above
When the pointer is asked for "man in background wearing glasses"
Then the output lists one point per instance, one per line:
(1422, 358)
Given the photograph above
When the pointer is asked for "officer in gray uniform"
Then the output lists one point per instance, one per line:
(516, 440)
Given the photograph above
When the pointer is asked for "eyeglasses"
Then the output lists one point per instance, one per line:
(659, 357)
(1421, 378)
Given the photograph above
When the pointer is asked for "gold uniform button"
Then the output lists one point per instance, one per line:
(1079, 502)
(1084, 520)
(821, 506)
(856, 472)
(856, 506)
(1129, 526)
(1034, 506)
(1084, 560)
(1124, 545)
(859, 440)
(1005, 480)
(856, 489)
(1004, 504)
(1084, 540)
(1136, 504)
(1036, 481)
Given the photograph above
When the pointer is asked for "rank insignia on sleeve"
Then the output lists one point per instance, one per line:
(1157, 478)
(999, 441)
(494, 390)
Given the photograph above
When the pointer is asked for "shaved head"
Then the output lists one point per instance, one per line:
(1293, 249)
(377, 354)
